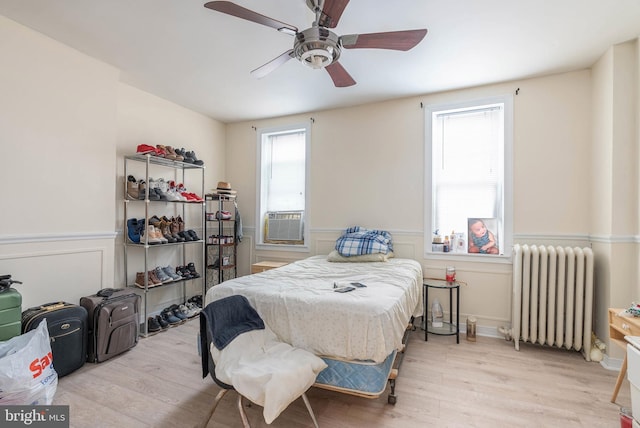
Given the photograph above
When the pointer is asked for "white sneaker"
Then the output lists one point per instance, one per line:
(153, 239)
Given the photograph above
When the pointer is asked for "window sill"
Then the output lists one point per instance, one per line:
(282, 247)
(466, 257)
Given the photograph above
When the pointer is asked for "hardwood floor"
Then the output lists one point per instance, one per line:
(483, 384)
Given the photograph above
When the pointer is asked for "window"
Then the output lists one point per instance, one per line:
(468, 176)
(283, 183)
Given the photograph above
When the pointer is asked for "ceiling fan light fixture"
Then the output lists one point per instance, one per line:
(317, 47)
(317, 58)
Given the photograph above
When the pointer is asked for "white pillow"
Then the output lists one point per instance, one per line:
(335, 256)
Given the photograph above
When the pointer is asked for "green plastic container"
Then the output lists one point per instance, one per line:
(10, 314)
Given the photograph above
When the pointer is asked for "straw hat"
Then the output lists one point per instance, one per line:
(224, 188)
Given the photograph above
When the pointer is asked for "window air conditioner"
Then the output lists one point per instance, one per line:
(284, 225)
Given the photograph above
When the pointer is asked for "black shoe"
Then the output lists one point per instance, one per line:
(184, 272)
(153, 326)
(192, 269)
(192, 234)
(164, 324)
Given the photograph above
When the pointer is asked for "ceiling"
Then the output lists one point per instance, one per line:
(201, 59)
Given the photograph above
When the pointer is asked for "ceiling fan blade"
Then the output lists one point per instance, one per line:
(331, 12)
(339, 75)
(267, 68)
(240, 12)
(396, 40)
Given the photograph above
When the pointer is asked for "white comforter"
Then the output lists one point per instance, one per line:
(298, 303)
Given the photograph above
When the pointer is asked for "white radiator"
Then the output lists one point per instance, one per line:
(284, 225)
(553, 297)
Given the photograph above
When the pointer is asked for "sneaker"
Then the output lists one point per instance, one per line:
(183, 272)
(145, 148)
(164, 324)
(193, 309)
(192, 233)
(196, 300)
(161, 275)
(152, 325)
(152, 238)
(170, 317)
(133, 189)
(169, 270)
(223, 215)
(133, 230)
(177, 311)
(184, 310)
(192, 270)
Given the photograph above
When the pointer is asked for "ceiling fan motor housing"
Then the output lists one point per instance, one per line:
(317, 47)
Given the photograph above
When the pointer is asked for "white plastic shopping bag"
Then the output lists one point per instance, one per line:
(27, 376)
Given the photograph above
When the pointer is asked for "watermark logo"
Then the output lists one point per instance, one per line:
(34, 416)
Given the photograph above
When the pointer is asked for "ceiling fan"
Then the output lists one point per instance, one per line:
(319, 47)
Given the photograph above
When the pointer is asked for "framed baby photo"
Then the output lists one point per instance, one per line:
(483, 236)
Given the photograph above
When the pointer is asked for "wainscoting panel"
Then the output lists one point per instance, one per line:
(58, 270)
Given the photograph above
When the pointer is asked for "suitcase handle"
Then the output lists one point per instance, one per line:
(52, 306)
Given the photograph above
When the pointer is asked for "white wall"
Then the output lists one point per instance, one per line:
(57, 130)
(65, 124)
(367, 169)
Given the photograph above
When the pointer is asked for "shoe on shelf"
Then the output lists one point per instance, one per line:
(178, 312)
(184, 272)
(134, 230)
(169, 317)
(187, 158)
(170, 271)
(142, 190)
(194, 160)
(140, 280)
(178, 156)
(154, 278)
(192, 269)
(162, 276)
(133, 188)
(223, 215)
(192, 233)
(164, 229)
(184, 235)
(144, 149)
(151, 236)
(152, 325)
(167, 153)
(164, 325)
(193, 309)
(196, 300)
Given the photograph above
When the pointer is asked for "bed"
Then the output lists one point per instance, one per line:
(360, 334)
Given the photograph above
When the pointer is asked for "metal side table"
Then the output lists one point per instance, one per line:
(448, 328)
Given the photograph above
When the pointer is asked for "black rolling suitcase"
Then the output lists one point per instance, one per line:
(67, 325)
(113, 322)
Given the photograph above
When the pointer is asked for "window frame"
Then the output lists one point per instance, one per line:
(259, 238)
(507, 101)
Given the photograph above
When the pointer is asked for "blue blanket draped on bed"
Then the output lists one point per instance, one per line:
(356, 241)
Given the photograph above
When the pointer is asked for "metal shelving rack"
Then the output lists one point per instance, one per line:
(221, 241)
(179, 208)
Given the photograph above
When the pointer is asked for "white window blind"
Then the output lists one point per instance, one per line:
(284, 162)
(467, 164)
